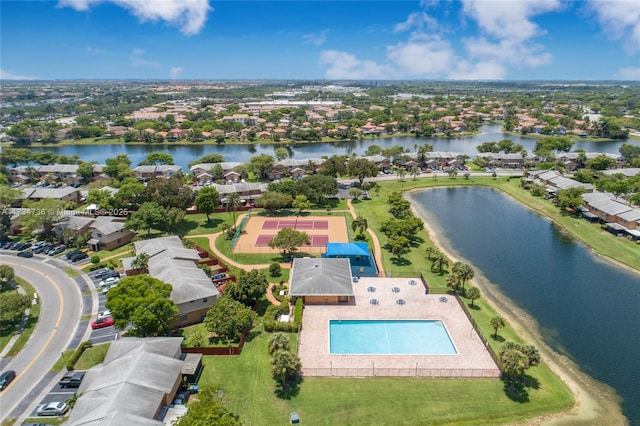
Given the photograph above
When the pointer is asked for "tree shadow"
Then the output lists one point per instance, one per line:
(515, 391)
(400, 261)
(253, 333)
(291, 390)
(531, 382)
(497, 338)
(474, 307)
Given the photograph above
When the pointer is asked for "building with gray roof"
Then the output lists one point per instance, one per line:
(138, 377)
(322, 280)
(193, 292)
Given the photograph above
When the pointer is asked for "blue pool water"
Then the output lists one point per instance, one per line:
(389, 337)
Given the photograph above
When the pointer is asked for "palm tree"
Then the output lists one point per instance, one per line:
(284, 365)
(360, 225)
(141, 262)
(439, 261)
(453, 281)
(431, 250)
(497, 322)
(473, 293)
(401, 172)
(278, 342)
(415, 172)
(464, 271)
(233, 203)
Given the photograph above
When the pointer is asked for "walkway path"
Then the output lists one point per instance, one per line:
(377, 251)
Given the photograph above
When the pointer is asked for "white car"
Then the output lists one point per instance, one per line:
(108, 282)
(104, 314)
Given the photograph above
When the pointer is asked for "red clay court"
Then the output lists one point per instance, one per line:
(259, 230)
(316, 241)
(306, 225)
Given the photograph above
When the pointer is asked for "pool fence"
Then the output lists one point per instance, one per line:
(417, 371)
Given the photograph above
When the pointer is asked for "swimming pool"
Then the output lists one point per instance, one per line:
(389, 337)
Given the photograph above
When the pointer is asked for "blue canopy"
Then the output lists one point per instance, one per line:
(347, 249)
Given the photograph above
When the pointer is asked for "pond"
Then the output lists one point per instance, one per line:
(585, 308)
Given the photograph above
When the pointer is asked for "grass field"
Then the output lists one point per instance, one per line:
(34, 314)
(250, 391)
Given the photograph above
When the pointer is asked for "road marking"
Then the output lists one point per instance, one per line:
(57, 324)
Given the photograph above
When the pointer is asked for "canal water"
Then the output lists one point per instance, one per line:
(586, 308)
(183, 154)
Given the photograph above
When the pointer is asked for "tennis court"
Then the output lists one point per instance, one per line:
(301, 225)
(259, 230)
(316, 241)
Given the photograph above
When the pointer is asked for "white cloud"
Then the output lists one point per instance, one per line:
(508, 52)
(619, 19)
(95, 50)
(629, 73)
(174, 72)
(10, 75)
(189, 15)
(417, 20)
(484, 70)
(315, 39)
(422, 56)
(509, 19)
(137, 60)
(344, 65)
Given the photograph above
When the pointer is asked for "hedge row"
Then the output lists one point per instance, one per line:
(78, 353)
(297, 313)
(270, 323)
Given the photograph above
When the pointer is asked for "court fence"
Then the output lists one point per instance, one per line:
(416, 371)
(251, 248)
(239, 230)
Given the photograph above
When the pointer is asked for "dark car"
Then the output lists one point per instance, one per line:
(26, 253)
(6, 378)
(106, 273)
(19, 246)
(78, 256)
(72, 253)
(43, 248)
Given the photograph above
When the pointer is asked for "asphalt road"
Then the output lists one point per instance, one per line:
(61, 307)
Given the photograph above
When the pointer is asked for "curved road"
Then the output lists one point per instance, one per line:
(60, 312)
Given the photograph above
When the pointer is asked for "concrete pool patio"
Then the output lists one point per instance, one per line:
(472, 359)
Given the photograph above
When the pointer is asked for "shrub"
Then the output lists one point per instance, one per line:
(284, 307)
(275, 270)
(78, 353)
(95, 259)
(297, 313)
(97, 266)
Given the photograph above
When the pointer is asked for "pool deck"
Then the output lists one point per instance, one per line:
(472, 359)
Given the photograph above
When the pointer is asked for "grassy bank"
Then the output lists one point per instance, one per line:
(250, 391)
(34, 315)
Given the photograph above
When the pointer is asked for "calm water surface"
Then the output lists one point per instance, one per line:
(182, 155)
(586, 308)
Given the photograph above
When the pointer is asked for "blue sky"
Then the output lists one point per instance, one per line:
(200, 39)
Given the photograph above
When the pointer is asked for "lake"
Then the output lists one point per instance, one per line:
(183, 154)
(586, 308)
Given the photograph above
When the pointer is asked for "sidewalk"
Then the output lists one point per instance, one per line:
(377, 251)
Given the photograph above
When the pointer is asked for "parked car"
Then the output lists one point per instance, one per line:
(72, 253)
(26, 253)
(6, 378)
(109, 281)
(52, 409)
(19, 246)
(102, 323)
(42, 249)
(56, 250)
(106, 273)
(71, 380)
(33, 424)
(104, 314)
(79, 256)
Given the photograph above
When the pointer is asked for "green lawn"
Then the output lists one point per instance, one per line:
(34, 314)
(92, 356)
(250, 391)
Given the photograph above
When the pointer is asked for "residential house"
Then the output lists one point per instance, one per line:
(66, 193)
(72, 226)
(322, 281)
(199, 170)
(108, 233)
(145, 173)
(511, 161)
(555, 181)
(138, 379)
(169, 261)
(247, 192)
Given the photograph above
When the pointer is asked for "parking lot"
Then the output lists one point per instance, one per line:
(107, 334)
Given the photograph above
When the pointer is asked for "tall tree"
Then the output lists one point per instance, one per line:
(272, 201)
(284, 366)
(472, 293)
(497, 322)
(141, 262)
(6, 276)
(206, 410)
(362, 168)
(233, 204)
(249, 288)
(289, 240)
(278, 342)
(149, 215)
(156, 159)
(359, 225)
(261, 163)
(228, 319)
(144, 303)
(207, 200)
(464, 271)
(301, 203)
(12, 306)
